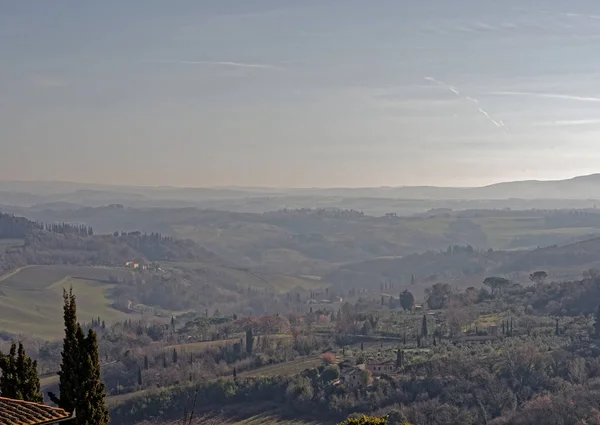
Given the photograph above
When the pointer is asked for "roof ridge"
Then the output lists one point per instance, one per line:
(14, 400)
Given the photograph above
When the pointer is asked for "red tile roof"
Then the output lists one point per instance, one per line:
(18, 412)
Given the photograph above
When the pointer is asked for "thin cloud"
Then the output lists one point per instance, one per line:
(567, 123)
(221, 63)
(547, 96)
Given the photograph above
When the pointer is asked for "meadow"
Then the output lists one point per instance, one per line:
(31, 298)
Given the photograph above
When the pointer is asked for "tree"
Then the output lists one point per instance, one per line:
(438, 296)
(424, 326)
(19, 378)
(407, 300)
(396, 417)
(69, 373)
(367, 328)
(91, 408)
(249, 341)
(496, 284)
(331, 373)
(146, 362)
(398, 358)
(538, 277)
(328, 358)
(140, 376)
(174, 356)
(80, 387)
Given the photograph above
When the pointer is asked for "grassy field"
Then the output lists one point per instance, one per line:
(276, 282)
(31, 298)
(285, 369)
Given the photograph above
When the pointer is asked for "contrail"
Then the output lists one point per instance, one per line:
(219, 63)
(546, 96)
(498, 124)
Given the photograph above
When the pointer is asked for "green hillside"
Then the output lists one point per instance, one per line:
(31, 298)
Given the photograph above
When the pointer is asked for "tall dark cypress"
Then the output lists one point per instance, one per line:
(424, 326)
(69, 368)
(91, 409)
(140, 381)
(81, 388)
(249, 341)
(399, 358)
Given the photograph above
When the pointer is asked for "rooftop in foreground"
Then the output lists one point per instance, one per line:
(18, 412)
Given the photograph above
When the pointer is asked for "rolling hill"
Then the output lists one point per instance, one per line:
(31, 298)
(31, 193)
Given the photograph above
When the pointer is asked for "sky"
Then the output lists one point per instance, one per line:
(287, 93)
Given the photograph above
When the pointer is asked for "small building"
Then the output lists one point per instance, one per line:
(17, 412)
(354, 378)
(380, 368)
(417, 307)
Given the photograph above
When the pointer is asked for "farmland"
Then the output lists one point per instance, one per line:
(31, 298)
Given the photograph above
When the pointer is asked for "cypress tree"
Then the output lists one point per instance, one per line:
(91, 409)
(361, 346)
(424, 327)
(557, 331)
(234, 373)
(80, 387)
(249, 341)
(69, 368)
(174, 355)
(399, 358)
(140, 376)
(146, 362)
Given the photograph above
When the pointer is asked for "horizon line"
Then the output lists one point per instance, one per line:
(298, 188)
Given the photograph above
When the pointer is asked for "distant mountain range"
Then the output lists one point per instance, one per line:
(27, 194)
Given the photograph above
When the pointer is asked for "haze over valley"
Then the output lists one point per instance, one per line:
(299, 213)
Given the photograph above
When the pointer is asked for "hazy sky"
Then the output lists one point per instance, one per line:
(299, 93)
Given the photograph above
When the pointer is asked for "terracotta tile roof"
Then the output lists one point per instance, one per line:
(17, 412)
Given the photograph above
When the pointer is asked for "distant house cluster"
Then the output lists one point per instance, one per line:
(362, 375)
(136, 265)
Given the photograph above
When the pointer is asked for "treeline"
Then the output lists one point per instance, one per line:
(62, 243)
(65, 228)
(12, 227)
